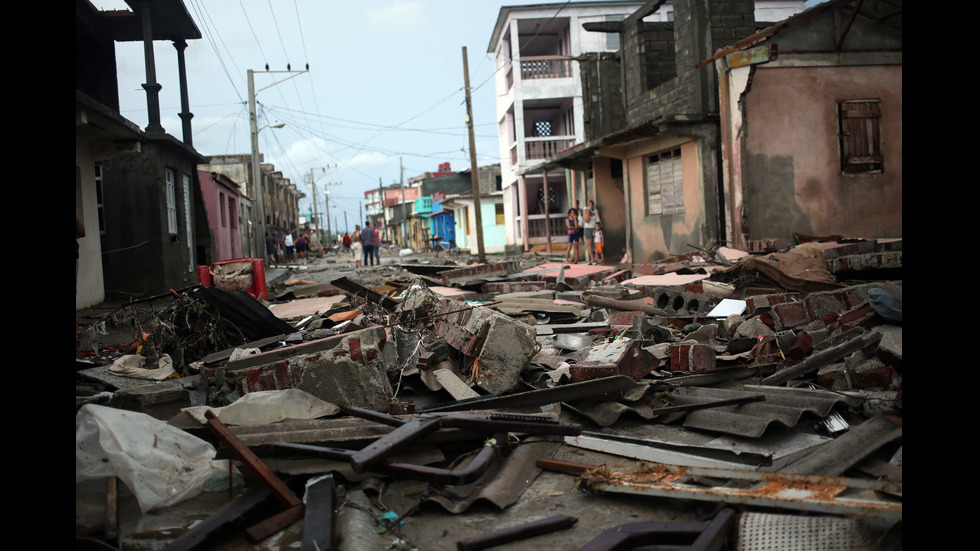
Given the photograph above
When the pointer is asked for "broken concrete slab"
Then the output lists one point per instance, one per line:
(160, 401)
(347, 370)
(501, 345)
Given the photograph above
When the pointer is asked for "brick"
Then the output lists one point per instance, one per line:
(621, 318)
(789, 315)
(268, 380)
(295, 375)
(355, 349)
(694, 358)
(801, 347)
(880, 377)
(858, 318)
(282, 374)
(252, 379)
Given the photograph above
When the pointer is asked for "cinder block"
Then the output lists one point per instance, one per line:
(694, 358)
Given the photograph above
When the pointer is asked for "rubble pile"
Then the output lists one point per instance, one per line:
(743, 388)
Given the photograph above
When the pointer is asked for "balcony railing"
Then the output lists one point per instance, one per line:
(545, 66)
(536, 228)
(545, 148)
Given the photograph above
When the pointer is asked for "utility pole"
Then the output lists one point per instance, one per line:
(258, 240)
(326, 192)
(381, 205)
(346, 225)
(401, 184)
(316, 216)
(474, 171)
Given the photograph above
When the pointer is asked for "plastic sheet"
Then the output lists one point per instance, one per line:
(160, 464)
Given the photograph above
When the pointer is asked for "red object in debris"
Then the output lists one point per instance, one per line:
(257, 289)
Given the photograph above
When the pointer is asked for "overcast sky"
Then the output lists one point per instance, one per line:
(385, 82)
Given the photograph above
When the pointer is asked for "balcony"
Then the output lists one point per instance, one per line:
(545, 148)
(545, 66)
(537, 231)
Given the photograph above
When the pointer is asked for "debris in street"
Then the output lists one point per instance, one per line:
(515, 533)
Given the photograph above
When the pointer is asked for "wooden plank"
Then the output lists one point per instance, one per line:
(252, 462)
(454, 385)
(274, 524)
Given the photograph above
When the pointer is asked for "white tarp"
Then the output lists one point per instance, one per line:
(160, 464)
(268, 406)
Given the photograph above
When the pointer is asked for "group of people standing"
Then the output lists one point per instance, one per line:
(284, 248)
(364, 244)
(584, 227)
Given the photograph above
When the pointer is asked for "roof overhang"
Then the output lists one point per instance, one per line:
(170, 21)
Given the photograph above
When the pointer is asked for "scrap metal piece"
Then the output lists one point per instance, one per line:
(458, 476)
(410, 431)
(515, 533)
(359, 290)
(544, 396)
(694, 536)
(318, 526)
(221, 518)
(822, 494)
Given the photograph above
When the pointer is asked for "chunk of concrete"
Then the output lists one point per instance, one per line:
(502, 345)
(347, 370)
(160, 401)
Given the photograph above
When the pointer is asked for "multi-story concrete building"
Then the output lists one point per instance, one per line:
(545, 112)
(539, 105)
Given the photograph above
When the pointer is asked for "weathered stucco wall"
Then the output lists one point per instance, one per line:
(790, 167)
(659, 236)
(611, 202)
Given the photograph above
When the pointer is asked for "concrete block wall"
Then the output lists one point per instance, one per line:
(350, 373)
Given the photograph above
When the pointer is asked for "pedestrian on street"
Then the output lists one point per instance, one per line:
(357, 247)
(270, 248)
(367, 240)
(287, 240)
(599, 256)
(377, 246)
(590, 216)
(573, 239)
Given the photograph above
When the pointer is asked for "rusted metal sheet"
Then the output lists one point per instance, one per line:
(759, 54)
(822, 494)
(515, 533)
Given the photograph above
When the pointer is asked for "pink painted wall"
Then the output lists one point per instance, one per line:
(790, 162)
(227, 237)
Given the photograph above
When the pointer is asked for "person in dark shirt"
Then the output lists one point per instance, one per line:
(367, 240)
